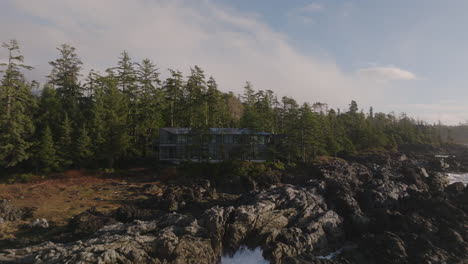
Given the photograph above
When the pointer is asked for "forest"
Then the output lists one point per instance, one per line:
(82, 119)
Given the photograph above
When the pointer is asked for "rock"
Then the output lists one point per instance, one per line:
(39, 223)
(1, 221)
(285, 221)
(423, 172)
(129, 213)
(151, 188)
(438, 182)
(386, 206)
(10, 213)
(456, 188)
(89, 222)
(387, 248)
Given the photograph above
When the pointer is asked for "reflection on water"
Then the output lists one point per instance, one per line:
(245, 256)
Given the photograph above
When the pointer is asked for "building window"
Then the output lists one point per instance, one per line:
(181, 139)
(228, 139)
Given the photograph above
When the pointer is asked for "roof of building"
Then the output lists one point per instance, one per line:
(215, 131)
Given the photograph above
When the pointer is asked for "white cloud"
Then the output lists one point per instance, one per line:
(447, 112)
(303, 14)
(312, 7)
(388, 73)
(231, 46)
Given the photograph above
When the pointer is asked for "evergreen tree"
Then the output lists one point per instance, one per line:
(82, 147)
(65, 78)
(173, 90)
(127, 81)
(232, 110)
(150, 106)
(64, 146)
(49, 111)
(215, 106)
(115, 116)
(97, 124)
(250, 116)
(46, 154)
(195, 100)
(16, 105)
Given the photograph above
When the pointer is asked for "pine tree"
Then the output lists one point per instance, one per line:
(116, 139)
(16, 104)
(97, 125)
(64, 146)
(49, 111)
(173, 90)
(250, 116)
(127, 79)
(151, 105)
(82, 147)
(214, 105)
(195, 99)
(65, 78)
(46, 155)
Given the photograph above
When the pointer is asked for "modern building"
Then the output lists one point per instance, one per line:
(213, 144)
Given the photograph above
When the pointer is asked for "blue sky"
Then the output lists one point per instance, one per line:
(402, 56)
(426, 37)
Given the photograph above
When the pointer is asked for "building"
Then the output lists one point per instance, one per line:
(213, 144)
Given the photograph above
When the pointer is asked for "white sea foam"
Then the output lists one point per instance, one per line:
(332, 255)
(458, 177)
(245, 256)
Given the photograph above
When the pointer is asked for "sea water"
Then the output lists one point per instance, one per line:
(245, 256)
(458, 177)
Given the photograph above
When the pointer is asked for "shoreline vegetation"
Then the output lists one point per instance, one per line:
(92, 120)
(79, 183)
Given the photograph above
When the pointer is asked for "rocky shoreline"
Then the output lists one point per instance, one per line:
(386, 208)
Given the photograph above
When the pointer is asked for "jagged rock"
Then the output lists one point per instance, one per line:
(286, 221)
(423, 172)
(39, 223)
(387, 248)
(89, 222)
(386, 206)
(456, 188)
(10, 213)
(438, 182)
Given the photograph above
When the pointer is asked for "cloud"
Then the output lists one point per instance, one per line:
(232, 46)
(447, 112)
(312, 7)
(302, 14)
(388, 73)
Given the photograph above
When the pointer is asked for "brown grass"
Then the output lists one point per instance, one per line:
(75, 191)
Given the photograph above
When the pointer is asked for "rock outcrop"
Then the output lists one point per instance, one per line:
(285, 221)
(386, 209)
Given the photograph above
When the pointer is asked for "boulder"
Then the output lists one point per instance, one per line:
(8, 212)
(39, 223)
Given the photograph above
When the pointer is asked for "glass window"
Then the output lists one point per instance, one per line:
(181, 139)
(228, 139)
(260, 140)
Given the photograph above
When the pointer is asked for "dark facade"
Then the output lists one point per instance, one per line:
(213, 144)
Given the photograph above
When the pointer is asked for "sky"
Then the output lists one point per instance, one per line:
(398, 56)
